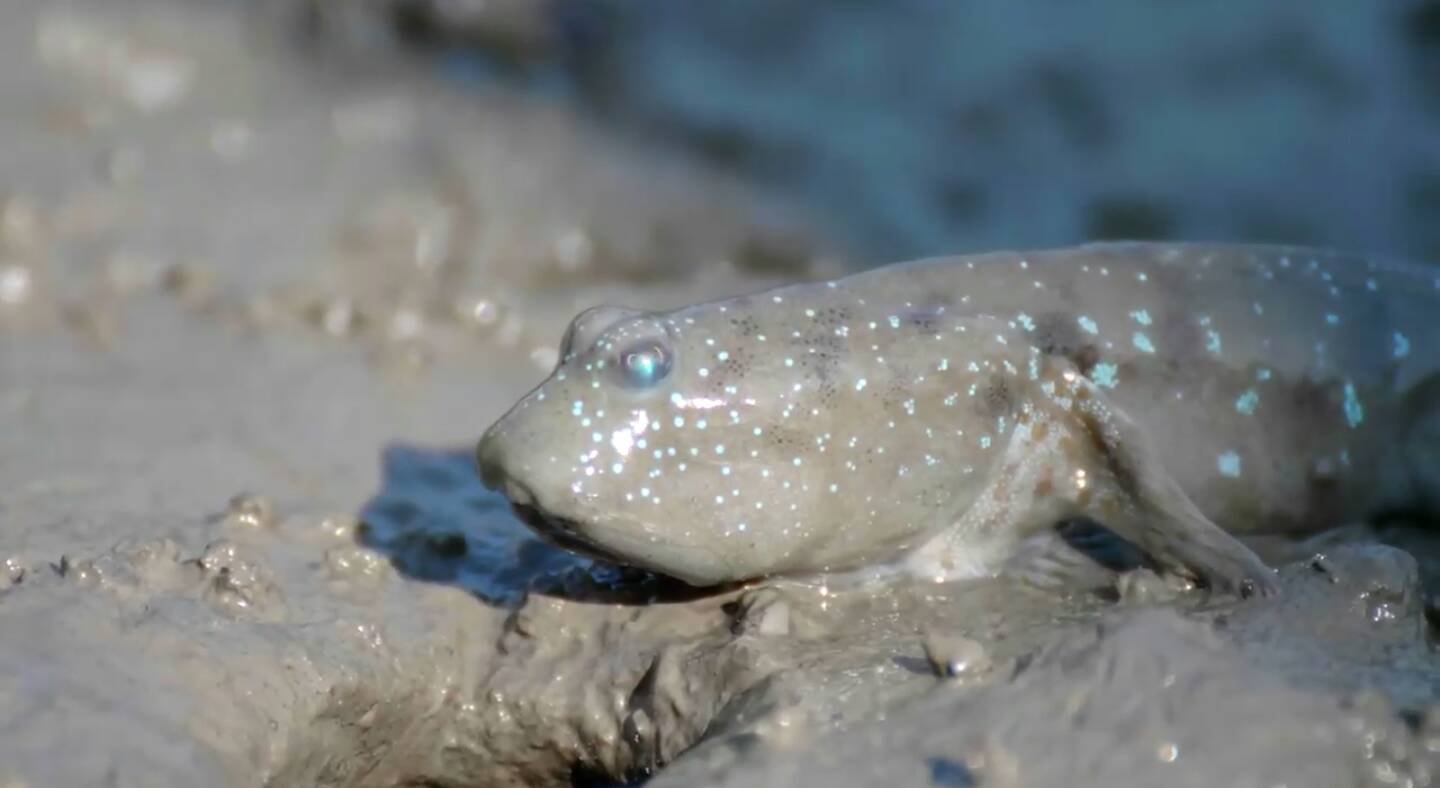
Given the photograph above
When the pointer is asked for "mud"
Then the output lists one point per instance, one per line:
(254, 309)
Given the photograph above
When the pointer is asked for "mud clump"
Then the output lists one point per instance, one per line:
(956, 657)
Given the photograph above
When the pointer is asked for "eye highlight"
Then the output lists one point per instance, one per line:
(645, 363)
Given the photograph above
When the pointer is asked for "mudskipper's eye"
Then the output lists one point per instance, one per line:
(645, 364)
(587, 325)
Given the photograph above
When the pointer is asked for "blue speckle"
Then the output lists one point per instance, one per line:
(1228, 464)
(1141, 316)
(1247, 402)
(1402, 346)
(1354, 411)
(1105, 374)
(1142, 343)
(1088, 324)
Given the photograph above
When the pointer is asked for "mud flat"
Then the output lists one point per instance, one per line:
(252, 316)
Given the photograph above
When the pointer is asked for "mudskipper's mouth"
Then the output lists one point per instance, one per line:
(562, 532)
(559, 531)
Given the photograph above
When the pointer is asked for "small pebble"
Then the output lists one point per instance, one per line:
(11, 572)
(764, 612)
(774, 620)
(955, 656)
(250, 511)
(352, 562)
(237, 585)
(1143, 586)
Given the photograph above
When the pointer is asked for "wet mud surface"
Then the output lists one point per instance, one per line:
(254, 313)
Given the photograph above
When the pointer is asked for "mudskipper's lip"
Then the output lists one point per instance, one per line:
(559, 531)
(488, 465)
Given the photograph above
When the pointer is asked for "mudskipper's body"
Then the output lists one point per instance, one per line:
(938, 414)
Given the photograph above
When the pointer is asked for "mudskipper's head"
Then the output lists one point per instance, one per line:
(716, 443)
(626, 452)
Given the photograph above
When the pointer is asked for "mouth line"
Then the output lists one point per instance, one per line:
(562, 532)
(559, 531)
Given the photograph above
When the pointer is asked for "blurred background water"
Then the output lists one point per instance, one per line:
(919, 127)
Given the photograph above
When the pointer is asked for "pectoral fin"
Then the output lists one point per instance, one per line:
(1116, 479)
(1072, 454)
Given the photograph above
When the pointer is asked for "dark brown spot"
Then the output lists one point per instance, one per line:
(1115, 465)
(996, 398)
(746, 326)
(1058, 334)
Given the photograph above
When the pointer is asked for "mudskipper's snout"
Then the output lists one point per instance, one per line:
(490, 459)
(492, 463)
(499, 472)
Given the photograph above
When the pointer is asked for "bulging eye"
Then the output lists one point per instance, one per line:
(645, 363)
(588, 325)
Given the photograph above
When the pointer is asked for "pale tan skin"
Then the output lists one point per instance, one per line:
(936, 415)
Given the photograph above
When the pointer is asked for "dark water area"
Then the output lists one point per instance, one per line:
(916, 128)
